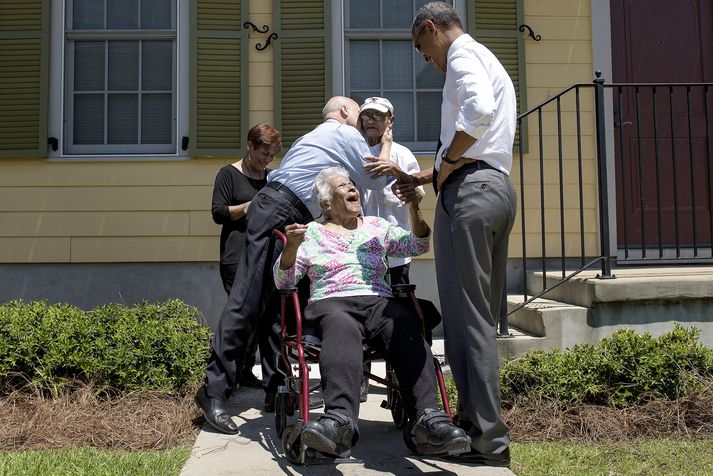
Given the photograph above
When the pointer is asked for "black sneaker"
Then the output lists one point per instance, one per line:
(331, 434)
(434, 434)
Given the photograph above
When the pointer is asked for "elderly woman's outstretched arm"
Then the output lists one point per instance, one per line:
(285, 271)
(418, 224)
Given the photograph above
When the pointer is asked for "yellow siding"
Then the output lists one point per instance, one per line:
(35, 250)
(107, 212)
(260, 65)
(110, 249)
(563, 57)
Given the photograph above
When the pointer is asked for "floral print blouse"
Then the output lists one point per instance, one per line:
(352, 265)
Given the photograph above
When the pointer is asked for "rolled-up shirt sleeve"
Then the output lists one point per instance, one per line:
(475, 95)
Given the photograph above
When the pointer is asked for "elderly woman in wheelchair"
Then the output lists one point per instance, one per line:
(351, 303)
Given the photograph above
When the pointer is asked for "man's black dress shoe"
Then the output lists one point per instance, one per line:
(500, 460)
(434, 434)
(216, 413)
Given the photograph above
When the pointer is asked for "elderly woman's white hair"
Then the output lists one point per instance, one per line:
(322, 190)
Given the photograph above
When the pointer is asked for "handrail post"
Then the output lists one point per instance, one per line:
(602, 177)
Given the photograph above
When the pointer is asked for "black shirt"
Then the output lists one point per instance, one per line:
(232, 188)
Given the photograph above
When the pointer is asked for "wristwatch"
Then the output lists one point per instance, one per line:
(444, 157)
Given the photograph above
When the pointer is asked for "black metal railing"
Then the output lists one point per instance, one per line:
(663, 150)
(670, 193)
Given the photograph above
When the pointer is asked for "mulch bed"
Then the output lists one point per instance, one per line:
(545, 421)
(150, 421)
(30, 419)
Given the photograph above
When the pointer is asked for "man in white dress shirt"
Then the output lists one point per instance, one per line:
(474, 215)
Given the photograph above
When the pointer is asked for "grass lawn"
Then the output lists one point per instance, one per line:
(651, 457)
(90, 462)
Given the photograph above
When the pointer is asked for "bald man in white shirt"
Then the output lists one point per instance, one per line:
(474, 216)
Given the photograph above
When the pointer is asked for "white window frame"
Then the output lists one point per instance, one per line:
(339, 66)
(57, 92)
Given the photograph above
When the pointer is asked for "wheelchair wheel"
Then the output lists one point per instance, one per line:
(284, 409)
(407, 427)
(395, 403)
(292, 444)
(398, 412)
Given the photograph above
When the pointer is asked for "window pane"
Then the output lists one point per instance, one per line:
(156, 14)
(403, 112)
(428, 108)
(157, 71)
(364, 14)
(427, 77)
(156, 119)
(89, 119)
(123, 118)
(398, 68)
(123, 65)
(364, 64)
(89, 66)
(123, 14)
(87, 15)
(398, 14)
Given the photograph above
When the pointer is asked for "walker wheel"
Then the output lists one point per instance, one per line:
(398, 412)
(292, 444)
(408, 426)
(280, 413)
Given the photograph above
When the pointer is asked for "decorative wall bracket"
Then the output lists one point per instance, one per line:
(531, 33)
(265, 29)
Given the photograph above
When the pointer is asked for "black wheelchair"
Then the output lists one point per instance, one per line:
(299, 347)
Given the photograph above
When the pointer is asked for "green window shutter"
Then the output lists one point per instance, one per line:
(494, 23)
(24, 51)
(218, 77)
(302, 66)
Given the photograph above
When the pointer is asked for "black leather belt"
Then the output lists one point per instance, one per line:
(290, 196)
(478, 165)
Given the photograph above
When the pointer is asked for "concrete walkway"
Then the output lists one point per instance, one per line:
(258, 451)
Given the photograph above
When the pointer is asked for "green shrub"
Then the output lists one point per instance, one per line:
(149, 346)
(624, 369)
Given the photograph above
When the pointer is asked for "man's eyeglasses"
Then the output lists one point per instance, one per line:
(377, 116)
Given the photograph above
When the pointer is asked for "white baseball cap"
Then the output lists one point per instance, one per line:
(378, 104)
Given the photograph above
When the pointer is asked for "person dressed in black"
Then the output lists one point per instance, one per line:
(235, 186)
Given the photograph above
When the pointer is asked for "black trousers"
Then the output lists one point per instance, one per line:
(269, 210)
(387, 325)
(227, 275)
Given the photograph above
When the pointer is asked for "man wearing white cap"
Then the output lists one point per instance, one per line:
(375, 115)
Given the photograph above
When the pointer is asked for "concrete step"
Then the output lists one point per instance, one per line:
(544, 324)
(628, 285)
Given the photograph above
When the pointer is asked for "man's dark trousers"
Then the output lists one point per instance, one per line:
(269, 210)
